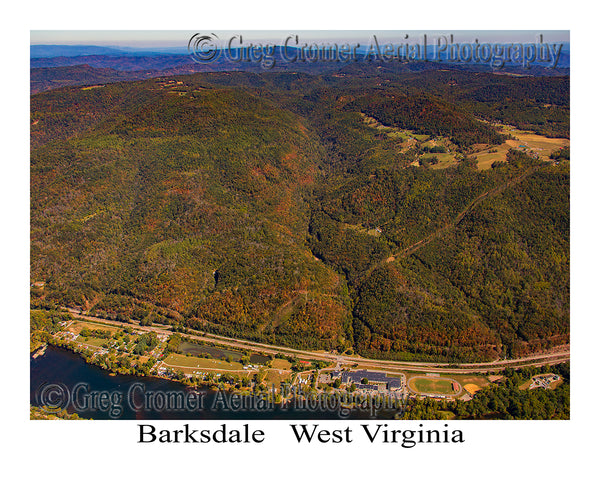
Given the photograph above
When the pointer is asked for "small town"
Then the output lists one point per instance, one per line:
(159, 352)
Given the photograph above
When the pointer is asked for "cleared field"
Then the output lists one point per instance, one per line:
(485, 159)
(421, 138)
(393, 132)
(525, 386)
(359, 228)
(399, 134)
(177, 360)
(273, 377)
(445, 160)
(529, 142)
(94, 342)
(544, 146)
(218, 352)
(281, 364)
(432, 385)
(79, 325)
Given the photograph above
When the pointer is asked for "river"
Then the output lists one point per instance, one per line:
(62, 378)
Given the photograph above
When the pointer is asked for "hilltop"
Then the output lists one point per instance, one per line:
(307, 210)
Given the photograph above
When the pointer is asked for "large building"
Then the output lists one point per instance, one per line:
(367, 380)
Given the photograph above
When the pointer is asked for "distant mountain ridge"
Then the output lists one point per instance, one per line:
(63, 55)
(54, 72)
(49, 51)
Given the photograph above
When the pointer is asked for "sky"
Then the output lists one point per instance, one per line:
(179, 38)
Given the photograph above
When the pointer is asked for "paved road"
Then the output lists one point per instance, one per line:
(342, 361)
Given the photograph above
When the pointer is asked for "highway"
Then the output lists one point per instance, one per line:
(345, 361)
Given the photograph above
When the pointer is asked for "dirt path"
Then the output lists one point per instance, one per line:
(474, 203)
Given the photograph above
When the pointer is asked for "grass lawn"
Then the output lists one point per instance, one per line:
(436, 385)
(95, 342)
(281, 364)
(177, 360)
(273, 377)
(79, 325)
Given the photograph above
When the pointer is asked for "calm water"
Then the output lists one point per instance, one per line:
(60, 377)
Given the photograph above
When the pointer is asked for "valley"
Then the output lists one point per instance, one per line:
(375, 213)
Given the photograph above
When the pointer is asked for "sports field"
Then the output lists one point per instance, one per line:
(431, 385)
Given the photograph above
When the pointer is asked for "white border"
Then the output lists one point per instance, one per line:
(493, 449)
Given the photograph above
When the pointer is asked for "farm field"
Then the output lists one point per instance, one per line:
(529, 142)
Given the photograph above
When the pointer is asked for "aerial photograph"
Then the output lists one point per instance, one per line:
(284, 225)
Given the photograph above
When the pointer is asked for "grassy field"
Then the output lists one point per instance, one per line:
(215, 352)
(543, 146)
(96, 342)
(421, 138)
(486, 158)
(79, 325)
(525, 386)
(393, 132)
(478, 380)
(177, 360)
(281, 364)
(526, 141)
(399, 134)
(445, 160)
(434, 385)
(273, 377)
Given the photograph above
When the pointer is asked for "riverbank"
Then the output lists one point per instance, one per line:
(134, 397)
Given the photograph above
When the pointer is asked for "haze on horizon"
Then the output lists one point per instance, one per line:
(179, 38)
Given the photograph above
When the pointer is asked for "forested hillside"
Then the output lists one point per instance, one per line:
(298, 210)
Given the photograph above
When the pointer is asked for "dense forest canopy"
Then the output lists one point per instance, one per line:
(291, 208)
